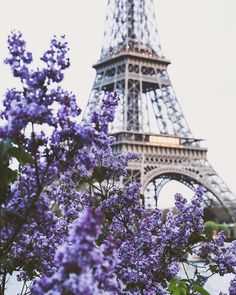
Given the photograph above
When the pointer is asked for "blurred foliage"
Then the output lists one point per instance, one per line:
(211, 226)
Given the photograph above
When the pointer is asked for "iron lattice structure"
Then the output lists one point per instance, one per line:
(149, 119)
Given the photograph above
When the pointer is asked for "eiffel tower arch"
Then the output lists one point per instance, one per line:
(149, 119)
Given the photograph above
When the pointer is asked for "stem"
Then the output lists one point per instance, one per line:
(3, 283)
(23, 287)
(27, 291)
(185, 271)
(197, 266)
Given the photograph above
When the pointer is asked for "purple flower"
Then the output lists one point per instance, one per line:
(232, 287)
(82, 267)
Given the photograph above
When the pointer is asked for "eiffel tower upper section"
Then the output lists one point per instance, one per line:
(132, 64)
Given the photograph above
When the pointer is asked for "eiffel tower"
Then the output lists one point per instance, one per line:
(149, 119)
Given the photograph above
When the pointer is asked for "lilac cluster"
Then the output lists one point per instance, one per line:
(42, 119)
(31, 231)
(232, 287)
(151, 244)
(56, 59)
(221, 256)
(33, 104)
(20, 57)
(106, 114)
(83, 268)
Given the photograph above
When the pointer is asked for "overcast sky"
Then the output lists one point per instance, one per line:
(199, 37)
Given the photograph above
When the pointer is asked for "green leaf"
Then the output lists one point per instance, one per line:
(21, 155)
(10, 267)
(213, 268)
(200, 289)
(101, 239)
(178, 287)
(100, 173)
(174, 282)
(7, 176)
(199, 278)
(4, 147)
(177, 291)
(190, 251)
(184, 288)
(197, 237)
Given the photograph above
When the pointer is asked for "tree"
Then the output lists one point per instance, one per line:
(66, 223)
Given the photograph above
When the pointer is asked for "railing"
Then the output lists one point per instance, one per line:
(156, 139)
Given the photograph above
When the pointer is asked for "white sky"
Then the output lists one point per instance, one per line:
(199, 37)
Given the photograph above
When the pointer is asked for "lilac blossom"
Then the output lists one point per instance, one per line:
(83, 268)
(232, 287)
